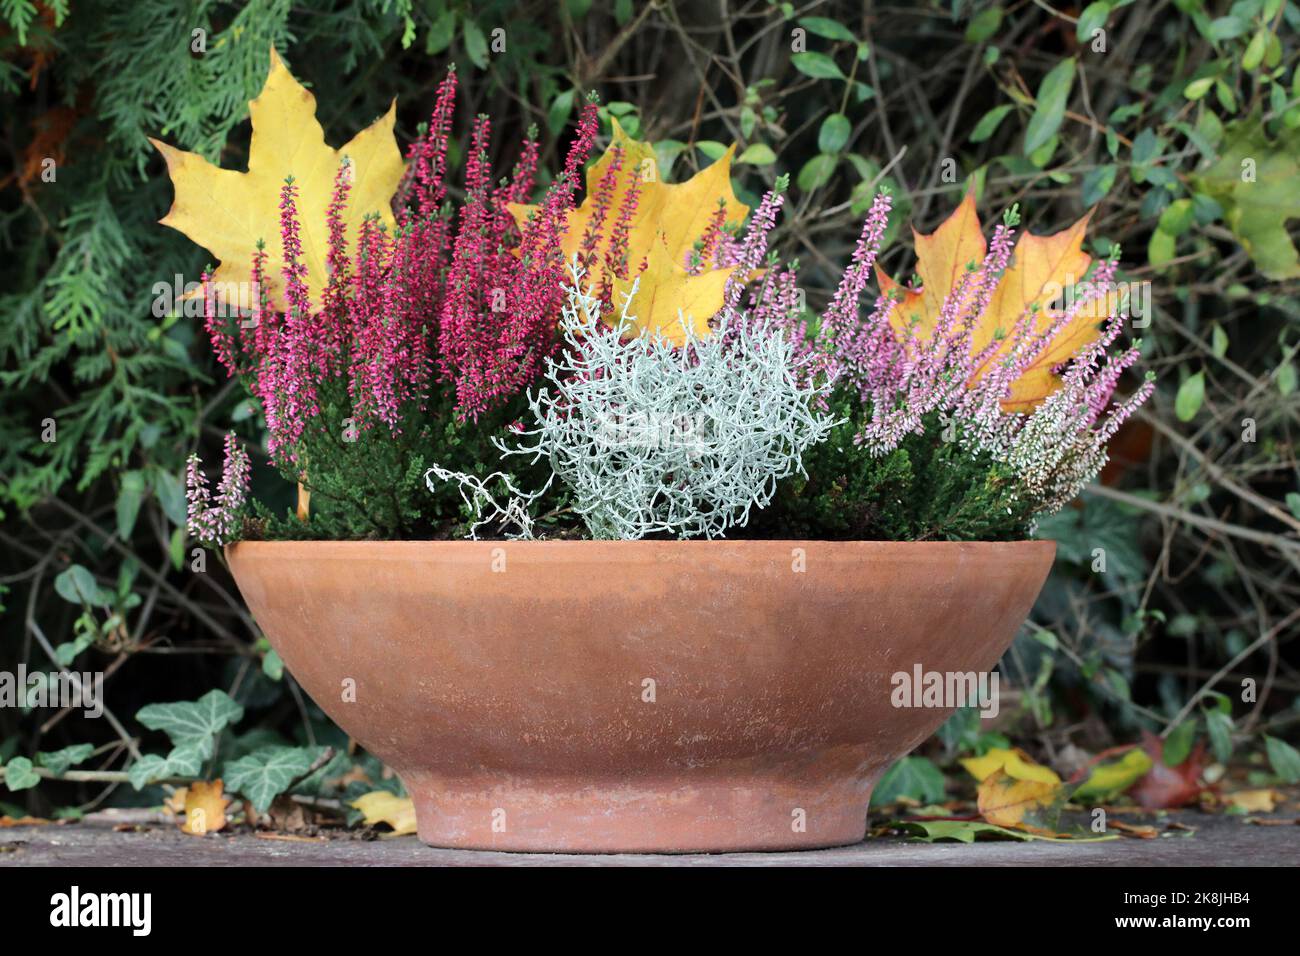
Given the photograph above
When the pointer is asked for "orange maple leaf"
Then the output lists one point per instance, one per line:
(1041, 269)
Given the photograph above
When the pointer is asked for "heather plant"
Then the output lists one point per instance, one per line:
(944, 398)
(416, 343)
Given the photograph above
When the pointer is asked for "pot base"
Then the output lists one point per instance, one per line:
(816, 804)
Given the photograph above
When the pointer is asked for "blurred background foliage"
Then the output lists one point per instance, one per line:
(1178, 121)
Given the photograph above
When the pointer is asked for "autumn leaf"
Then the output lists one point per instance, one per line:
(670, 218)
(1111, 776)
(227, 211)
(1014, 762)
(1253, 801)
(1167, 787)
(205, 808)
(669, 299)
(8, 821)
(1030, 805)
(381, 806)
(1041, 268)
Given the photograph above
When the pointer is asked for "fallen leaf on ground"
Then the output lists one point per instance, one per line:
(381, 806)
(1254, 801)
(1032, 805)
(1169, 787)
(1041, 268)
(1257, 821)
(968, 831)
(227, 211)
(8, 821)
(1141, 831)
(1014, 762)
(205, 809)
(176, 802)
(1113, 775)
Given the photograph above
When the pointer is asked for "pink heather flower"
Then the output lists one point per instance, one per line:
(217, 522)
(753, 250)
(222, 342)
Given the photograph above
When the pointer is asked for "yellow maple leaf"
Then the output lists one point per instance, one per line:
(669, 219)
(1028, 805)
(1041, 268)
(227, 211)
(381, 806)
(669, 299)
(1012, 761)
(205, 808)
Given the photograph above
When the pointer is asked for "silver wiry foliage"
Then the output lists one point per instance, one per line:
(653, 438)
(512, 516)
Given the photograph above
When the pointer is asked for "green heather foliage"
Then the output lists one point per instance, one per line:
(923, 491)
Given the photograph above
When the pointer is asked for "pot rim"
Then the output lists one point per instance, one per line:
(639, 542)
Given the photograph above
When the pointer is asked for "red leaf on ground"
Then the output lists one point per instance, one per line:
(1167, 787)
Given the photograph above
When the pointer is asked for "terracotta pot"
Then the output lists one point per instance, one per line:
(635, 696)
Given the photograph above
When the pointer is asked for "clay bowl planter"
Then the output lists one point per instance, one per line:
(667, 696)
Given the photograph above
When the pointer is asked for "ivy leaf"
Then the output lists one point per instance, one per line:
(968, 831)
(193, 723)
(184, 761)
(59, 762)
(19, 774)
(266, 773)
(913, 778)
(1053, 94)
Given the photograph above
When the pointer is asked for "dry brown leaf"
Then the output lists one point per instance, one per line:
(8, 821)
